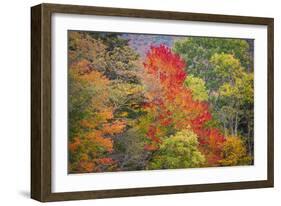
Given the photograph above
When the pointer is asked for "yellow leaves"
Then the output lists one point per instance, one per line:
(234, 152)
(106, 114)
(96, 78)
(197, 86)
(82, 67)
(227, 90)
(97, 120)
(123, 92)
(82, 45)
(123, 114)
(234, 145)
(96, 125)
(84, 157)
(133, 89)
(226, 65)
(102, 85)
(241, 89)
(82, 72)
(86, 124)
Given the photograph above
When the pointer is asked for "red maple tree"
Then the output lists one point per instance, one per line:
(171, 103)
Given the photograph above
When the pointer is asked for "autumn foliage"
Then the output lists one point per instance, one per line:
(132, 113)
(172, 105)
(94, 125)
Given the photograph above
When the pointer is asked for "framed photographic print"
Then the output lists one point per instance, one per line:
(132, 102)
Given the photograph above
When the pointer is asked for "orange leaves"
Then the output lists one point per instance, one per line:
(151, 147)
(173, 104)
(210, 139)
(202, 118)
(82, 66)
(151, 134)
(168, 71)
(167, 74)
(105, 161)
(108, 108)
(212, 159)
(86, 166)
(95, 124)
(198, 125)
(84, 157)
(106, 114)
(96, 138)
(74, 145)
(96, 165)
(86, 123)
(114, 128)
(153, 138)
(216, 139)
(95, 77)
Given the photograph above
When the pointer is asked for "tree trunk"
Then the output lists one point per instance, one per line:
(232, 127)
(224, 128)
(236, 123)
(249, 139)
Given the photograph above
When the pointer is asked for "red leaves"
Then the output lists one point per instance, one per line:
(151, 134)
(173, 103)
(198, 125)
(166, 122)
(213, 159)
(199, 121)
(86, 166)
(165, 66)
(154, 140)
(216, 137)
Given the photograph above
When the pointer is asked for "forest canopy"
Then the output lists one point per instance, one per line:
(143, 102)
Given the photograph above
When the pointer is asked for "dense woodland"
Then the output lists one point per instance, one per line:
(181, 106)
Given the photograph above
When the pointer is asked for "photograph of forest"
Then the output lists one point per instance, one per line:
(153, 102)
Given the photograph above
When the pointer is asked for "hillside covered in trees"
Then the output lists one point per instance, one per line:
(142, 102)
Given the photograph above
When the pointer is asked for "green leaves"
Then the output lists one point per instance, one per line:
(241, 89)
(178, 151)
(226, 66)
(197, 86)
